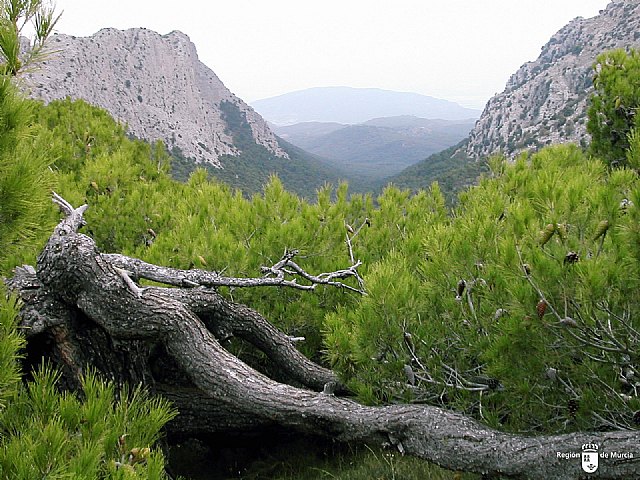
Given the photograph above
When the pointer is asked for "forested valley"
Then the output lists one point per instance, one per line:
(513, 311)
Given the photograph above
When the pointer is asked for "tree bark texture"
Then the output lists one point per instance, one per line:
(89, 308)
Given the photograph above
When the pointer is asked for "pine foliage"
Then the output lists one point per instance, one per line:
(519, 307)
(48, 434)
(10, 344)
(612, 114)
(464, 311)
(449, 297)
(24, 178)
(45, 433)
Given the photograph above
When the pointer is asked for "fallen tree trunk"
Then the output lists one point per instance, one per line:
(91, 306)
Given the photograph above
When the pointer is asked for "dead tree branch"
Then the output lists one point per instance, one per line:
(273, 276)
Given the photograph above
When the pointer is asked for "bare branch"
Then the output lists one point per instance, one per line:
(274, 276)
(461, 383)
(603, 306)
(137, 291)
(74, 216)
(350, 248)
(227, 319)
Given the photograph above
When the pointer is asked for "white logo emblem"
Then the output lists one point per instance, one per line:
(589, 458)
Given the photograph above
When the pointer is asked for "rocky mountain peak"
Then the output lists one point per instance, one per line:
(155, 84)
(545, 101)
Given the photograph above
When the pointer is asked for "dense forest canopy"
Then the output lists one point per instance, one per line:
(518, 308)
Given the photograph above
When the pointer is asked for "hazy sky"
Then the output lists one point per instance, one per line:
(459, 50)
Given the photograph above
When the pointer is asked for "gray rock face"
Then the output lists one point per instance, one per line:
(154, 83)
(545, 101)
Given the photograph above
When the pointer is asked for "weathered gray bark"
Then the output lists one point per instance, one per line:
(73, 279)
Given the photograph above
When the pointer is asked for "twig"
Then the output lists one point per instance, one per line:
(350, 249)
(137, 291)
(605, 308)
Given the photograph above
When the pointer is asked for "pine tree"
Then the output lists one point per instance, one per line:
(17, 16)
(490, 310)
(43, 432)
(24, 178)
(614, 104)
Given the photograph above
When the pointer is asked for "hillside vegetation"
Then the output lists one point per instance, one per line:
(377, 148)
(519, 307)
(301, 173)
(451, 168)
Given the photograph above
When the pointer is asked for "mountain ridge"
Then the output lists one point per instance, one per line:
(351, 105)
(155, 84)
(545, 100)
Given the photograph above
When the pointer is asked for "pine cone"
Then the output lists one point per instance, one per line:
(410, 375)
(562, 230)
(601, 229)
(569, 322)
(572, 406)
(571, 257)
(636, 418)
(541, 308)
(546, 234)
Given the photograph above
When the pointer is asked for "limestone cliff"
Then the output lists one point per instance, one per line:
(545, 101)
(155, 84)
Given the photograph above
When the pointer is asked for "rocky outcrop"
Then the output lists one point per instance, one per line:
(545, 101)
(155, 84)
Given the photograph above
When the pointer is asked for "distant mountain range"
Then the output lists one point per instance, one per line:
(379, 147)
(348, 105)
(157, 86)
